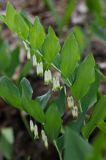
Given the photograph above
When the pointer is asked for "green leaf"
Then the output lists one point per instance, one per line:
(98, 145)
(87, 101)
(69, 56)
(6, 141)
(26, 69)
(61, 102)
(56, 61)
(14, 62)
(52, 122)
(50, 4)
(44, 99)
(94, 7)
(103, 77)
(37, 34)
(7, 133)
(84, 78)
(101, 21)
(91, 97)
(2, 18)
(4, 56)
(76, 148)
(60, 143)
(21, 27)
(26, 89)
(99, 113)
(34, 109)
(51, 46)
(24, 14)
(80, 37)
(10, 16)
(9, 92)
(68, 11)
(102, 126)
(98, 31)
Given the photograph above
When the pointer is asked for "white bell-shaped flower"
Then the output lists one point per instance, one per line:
(70, 102)
(28, 54)
(75, 112)
(34, 60)
(47, 77)
(44, 138)
(56, 83)
(35, 132)
(31, 126)
(39, 69)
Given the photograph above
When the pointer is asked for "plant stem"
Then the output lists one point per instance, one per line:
(55, 144)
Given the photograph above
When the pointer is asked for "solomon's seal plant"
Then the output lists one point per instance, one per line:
(64, 118)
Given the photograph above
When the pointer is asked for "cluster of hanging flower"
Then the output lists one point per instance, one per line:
(40, 71)
(34, 130)
(55, 80)
(72, 107)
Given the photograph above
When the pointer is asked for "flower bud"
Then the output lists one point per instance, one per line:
(36, 132)
(75, 112)
(70, 102)
(40, 69)
(44, 138)
(31, 126)
(27, 49)
(47, 77)
(34, 60)
(28, 54)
